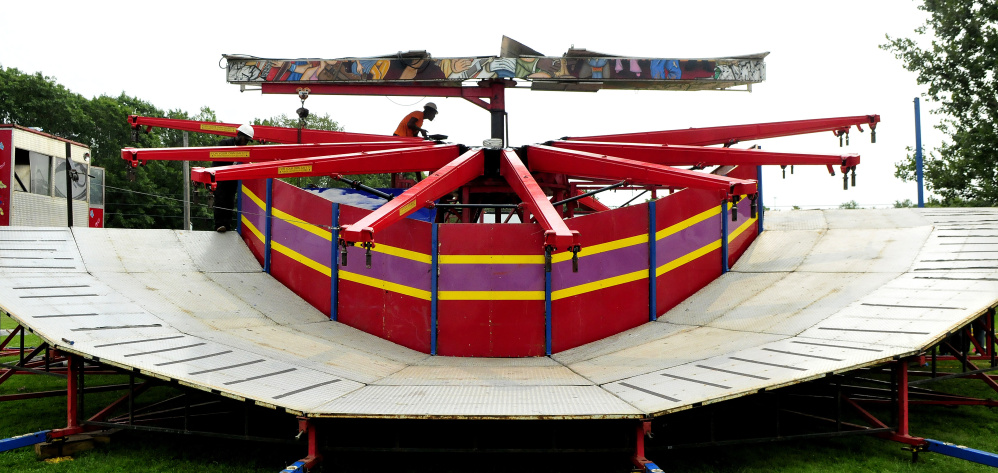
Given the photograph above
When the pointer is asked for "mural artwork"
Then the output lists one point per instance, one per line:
(241, 70)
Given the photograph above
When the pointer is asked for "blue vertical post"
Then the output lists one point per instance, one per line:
(334, 268)
(267, 225)
(724, 236)
(918, 154)
(760, 209)
(652, 263)
(547, 313)
(434, 262)
(239, 207)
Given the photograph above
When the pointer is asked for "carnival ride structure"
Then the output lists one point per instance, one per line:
(573, 310)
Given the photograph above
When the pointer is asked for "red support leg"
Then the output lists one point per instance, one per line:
(902, 377)
(639, 460)
(74, 366)
(314, 458)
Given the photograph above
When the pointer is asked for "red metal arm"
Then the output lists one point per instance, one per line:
(255, 154)
(673, 155)
(373, 162)
(591, 203)
(273, 134)
(733, 134)
(556, 233)
(594, 166)
(449, 177)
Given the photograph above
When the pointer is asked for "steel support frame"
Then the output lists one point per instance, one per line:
(682, 155)
(544, 158)
(557, 235)
(255, 154)
(274, 134)
(729, 135)
(444, 180)
(307, 426)
(427, 158)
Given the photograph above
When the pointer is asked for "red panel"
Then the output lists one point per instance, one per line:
(595, 315)
(6, 171)
(490, 328)
(503, 328)
(741, 243)
(259, 188)
(310, 285)
(96, 218)
(738, 245)
(609, 226)
(304, 205)
(396, 317)
(675, 286)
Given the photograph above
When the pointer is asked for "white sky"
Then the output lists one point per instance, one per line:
(824, 62)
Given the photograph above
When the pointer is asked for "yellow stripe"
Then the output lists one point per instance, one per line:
(254, 198)
(402, 253)
(687, 223)
(491, 259)
(490, 295)
(687, 258)
(601, 284)
(745, 226)
(311, 228)
(381, 284)
(602, 247)
(249, 226)
(300, 258)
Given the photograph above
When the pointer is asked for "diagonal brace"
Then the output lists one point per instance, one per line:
(451, 176)
(556, 233)
(373, 162)
(596, 166)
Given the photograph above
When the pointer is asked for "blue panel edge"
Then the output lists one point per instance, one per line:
(23, 440)
(434, 273)
(334, 274)
(963, 453)
(652, 263)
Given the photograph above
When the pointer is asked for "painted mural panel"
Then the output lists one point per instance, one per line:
(624, 69)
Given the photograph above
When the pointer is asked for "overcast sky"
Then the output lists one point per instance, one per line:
(824, 62)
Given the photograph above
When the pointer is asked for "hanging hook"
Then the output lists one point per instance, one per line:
(547, 258)
(575, 258)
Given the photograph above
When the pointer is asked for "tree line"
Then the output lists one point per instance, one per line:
(154, 199)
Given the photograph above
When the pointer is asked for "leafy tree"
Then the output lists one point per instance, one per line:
(852, 204)
(961, 69)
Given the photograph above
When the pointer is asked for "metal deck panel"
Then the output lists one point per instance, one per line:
(682, 348)
(38, 250)
(796, 220)
(500, 373)
(875, 218)
(780, 251)
(139, 251)
(354, 339)
(480, 402)
(646, 333)
(214, 252)
(877, 250)
(267, 296)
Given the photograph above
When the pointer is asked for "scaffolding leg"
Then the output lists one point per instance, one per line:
(307, 427)
(639, 460)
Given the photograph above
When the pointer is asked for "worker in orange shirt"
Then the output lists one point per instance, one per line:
(412, 124)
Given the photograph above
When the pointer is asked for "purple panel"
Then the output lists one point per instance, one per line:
(308, 244)
(389, 268)
(600, 266)
(688, 240)
(256, 215)
(492, 277)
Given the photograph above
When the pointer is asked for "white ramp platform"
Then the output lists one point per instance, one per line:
(819, 292)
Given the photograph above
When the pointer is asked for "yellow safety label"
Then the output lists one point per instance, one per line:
(407, 207)
(294, 169)
(230, 129)
(229, 154)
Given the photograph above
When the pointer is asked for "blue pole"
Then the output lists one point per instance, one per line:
(918, 154)
(652, 263)
(724, 236)
(760, 209)
(434, 261)
(334, 274)
(267, 225)
(547, 313)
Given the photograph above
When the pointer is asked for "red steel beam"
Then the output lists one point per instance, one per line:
(451, 176)
(372, 162)
(595, 166)
(273, 134)
(556, 233)
(591, 202)
(681, 155)
(733, 134)
(255, 154)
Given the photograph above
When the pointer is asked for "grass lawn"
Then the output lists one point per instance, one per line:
(975, 427)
